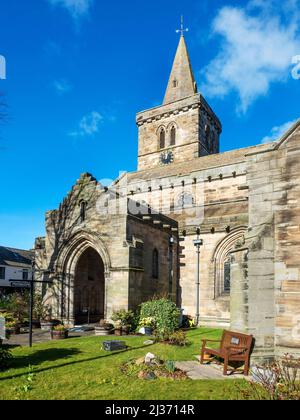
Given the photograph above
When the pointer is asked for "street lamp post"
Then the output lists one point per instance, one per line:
(198, 243)
(171, 273)
(31, 298)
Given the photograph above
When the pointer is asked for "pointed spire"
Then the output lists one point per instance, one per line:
(182, 82)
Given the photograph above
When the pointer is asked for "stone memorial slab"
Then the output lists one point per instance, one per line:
(114, 345)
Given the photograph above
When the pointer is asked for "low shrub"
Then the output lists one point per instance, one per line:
(170, 366)
(165, 315)
(178, 338)
(59, 328)
(150, 371)
(123, 317)
(277, 381)
(147, 322)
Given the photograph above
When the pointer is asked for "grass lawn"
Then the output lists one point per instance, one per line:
(78, 368)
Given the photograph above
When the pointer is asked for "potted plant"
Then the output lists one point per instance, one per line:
(123, 321)
(12, 327)
(126, 329)
(118, 328)
(146, 326)
(59, 332)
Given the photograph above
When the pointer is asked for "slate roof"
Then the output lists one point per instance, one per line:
(15, 257)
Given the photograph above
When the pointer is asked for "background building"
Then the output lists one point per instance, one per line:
(15, 267)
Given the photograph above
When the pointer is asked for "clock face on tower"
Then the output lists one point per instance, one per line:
(166, 158)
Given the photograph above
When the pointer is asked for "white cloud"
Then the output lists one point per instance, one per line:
(257, 45)
(89, 125)
(277, 132)
(62, 86)
(77, 8)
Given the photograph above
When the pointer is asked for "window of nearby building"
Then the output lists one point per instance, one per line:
(173, 136)
(82, 211)
(162, 139)
(2, 273)
(25, 275)
(155, 264)
(175, 83)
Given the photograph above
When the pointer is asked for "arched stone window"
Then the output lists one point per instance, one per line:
(227, 276)
(185, 200)
(155, 264)
(222, 261)
(82, 211)
(213, 142)
(173, 136)
(162, 138)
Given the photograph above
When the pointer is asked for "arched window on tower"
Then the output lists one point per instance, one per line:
(155, 264)
(207, 135)
(173, 136)
(82, 211)
(162, 139)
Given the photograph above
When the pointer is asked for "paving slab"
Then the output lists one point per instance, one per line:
(196, 371)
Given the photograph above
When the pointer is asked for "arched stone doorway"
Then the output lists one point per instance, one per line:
(89, 288)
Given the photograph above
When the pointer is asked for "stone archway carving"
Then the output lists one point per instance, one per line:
(221, 257)
(66, 264)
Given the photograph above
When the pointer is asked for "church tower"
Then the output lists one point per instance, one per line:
(184, 127)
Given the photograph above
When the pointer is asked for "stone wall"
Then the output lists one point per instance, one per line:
(124, 243)
(270, 299)
(220, 196)
(144, 238)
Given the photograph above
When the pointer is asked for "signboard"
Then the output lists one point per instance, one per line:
(2, 328)
(22, 284)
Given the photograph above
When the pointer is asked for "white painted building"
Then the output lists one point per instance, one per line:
(15, 267)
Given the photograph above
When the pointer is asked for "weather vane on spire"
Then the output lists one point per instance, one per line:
(182, 30)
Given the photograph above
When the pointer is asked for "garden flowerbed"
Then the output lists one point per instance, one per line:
(151, 368)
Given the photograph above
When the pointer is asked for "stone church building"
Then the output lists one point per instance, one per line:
(114, 247)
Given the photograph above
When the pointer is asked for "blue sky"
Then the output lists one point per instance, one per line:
(77, 71)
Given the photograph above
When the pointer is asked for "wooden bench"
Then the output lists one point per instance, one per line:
(234, 347)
